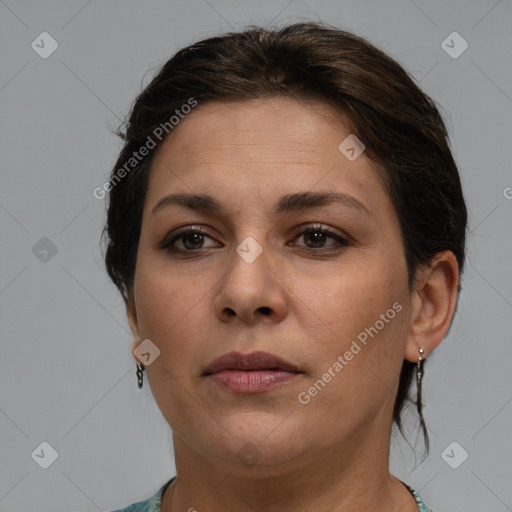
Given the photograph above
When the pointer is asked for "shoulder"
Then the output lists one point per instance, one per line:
(150, 505)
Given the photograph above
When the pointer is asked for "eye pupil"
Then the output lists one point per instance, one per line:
(316, 237)
(197, 239)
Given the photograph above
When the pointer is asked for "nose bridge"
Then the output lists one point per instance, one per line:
(250, 286)
(252, 226)
(248, 267)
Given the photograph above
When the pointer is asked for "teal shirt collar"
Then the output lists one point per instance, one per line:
(154, 503)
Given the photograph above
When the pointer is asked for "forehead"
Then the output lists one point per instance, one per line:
(252, 152)
(259, 128)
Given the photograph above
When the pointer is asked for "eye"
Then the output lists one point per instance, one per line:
(315, 238)
(191, 240)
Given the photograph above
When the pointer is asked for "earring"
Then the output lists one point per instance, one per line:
(140, 375)
(419, 373)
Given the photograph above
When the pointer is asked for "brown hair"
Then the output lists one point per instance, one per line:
(399, 124)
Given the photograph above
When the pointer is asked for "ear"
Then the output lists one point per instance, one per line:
(433, 302)
(131, 314)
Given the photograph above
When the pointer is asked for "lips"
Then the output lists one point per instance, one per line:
(250, 362)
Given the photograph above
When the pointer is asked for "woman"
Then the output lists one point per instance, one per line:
(287, 227)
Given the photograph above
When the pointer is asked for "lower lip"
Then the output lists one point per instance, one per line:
(254, 381)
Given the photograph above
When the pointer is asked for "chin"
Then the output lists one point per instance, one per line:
(257, 438)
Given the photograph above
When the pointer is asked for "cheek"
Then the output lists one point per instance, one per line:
(363, 383)
(361, 314)
(171, 310)
(171, 314)
(345, 303)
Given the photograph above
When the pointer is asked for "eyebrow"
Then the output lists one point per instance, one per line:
(299, 201)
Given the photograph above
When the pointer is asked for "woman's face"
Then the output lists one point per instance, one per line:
(333, 302)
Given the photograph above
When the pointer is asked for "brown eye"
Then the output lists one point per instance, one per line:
(191, 239)
(316, 237)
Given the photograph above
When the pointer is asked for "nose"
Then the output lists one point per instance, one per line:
(251, 291)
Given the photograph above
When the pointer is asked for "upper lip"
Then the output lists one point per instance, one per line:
(253, 361)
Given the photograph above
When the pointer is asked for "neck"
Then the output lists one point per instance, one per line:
(334, 479)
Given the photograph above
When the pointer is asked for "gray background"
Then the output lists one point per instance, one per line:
(67, 375)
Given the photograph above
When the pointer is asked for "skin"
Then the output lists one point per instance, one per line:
(301, 300)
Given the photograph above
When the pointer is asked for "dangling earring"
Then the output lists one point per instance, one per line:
(419, 375)
(140, 375)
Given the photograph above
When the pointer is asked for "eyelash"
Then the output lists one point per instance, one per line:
(167, 244)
